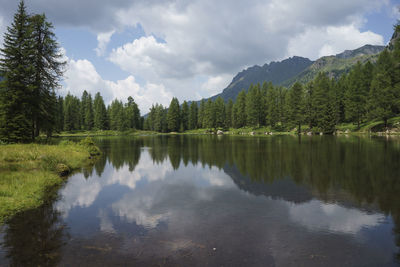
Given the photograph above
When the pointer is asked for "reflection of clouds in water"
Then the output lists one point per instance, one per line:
(316, 215)
(78, 192)
(105, 222)
(156, 202)
(83, 192)
(137, 207)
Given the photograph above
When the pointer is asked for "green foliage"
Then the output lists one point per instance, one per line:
(185, 116)
(193, 115)
(239, 110)
(173, 116)
(28, 171)
(100, 113)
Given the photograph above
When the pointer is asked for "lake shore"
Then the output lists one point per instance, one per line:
(29, 171)
(375, 128)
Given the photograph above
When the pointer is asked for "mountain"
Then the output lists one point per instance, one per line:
(338, 64)
(275, 72)
(300, 69)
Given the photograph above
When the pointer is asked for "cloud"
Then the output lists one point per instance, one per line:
(103, 39)
(331, 41)
(190, 47)
(82, 75)
(332, 217)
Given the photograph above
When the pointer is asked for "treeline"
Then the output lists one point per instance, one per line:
(89, 114)
(369, 91)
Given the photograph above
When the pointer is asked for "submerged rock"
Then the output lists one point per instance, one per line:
(219, 132)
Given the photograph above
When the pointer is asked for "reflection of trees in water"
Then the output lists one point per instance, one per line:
(35, 237)
(367, 168)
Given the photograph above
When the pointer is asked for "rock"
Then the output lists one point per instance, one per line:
(309, 133)
(321, 133)
(62, 169)
(252, 133)
(219, 132)
(347, 131)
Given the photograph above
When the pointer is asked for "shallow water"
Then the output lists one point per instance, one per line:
(220, 201)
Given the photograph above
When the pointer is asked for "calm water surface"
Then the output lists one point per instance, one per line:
(220, 201)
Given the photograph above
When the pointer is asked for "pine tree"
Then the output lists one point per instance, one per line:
(133, 113)
(72, 117)
(48, 68)
(100, 113)
(253, 106)
(382, 97)
(16, 88)
(89, 118)
(322, 103)
(200, 114)
(185, 116)
(219, 109)
(173, 116)
(229, 114)
(209, 115)
(240, 110)
(193, 110)
(296, 105)
(356, 95)
(272, 116)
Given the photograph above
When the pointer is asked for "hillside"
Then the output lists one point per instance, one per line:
(338, 64)
(275, 72)
(300, 69)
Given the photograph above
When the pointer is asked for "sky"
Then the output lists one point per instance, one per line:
(154, 50)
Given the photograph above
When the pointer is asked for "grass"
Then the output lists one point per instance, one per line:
(374, 127)
(130, 132)
(29, 171)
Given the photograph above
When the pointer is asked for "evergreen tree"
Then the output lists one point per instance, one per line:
(240, 110)
(200, 114)
(193, 116)
(219, 109)
(209, 115)
(48, 69)
(133, 114)
(296, 105)
(185, 116)
(60, 114)
(173, 116)
(356, 95)
(272, 116)
(117, 115)
(322, 104)
(17, 71)
(71, 113)
(253, 106)
(382, 97)
(100, 113)
(229, 114)
(89, 118)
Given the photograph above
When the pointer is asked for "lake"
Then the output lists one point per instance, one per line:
(220, 201)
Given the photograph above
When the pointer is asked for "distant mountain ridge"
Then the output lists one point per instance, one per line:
(275, 72)
(288, 71)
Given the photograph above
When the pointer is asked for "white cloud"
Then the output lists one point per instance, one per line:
(82, 75)
(316, 215)
(330, 41)
(102, 41)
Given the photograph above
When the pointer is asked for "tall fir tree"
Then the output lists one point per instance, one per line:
(185, 116)
(173, 116)
(253, 106)
(296, 105)
(193, 110)
(229, 114)
(272, 103)
(47, 72)
(219, 109)
(100, 119)
(16, 68)
(240, 110)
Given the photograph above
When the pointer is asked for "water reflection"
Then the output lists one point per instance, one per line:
(198, 201)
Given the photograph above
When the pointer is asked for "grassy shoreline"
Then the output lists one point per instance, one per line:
(29, 171)
(367, 128)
